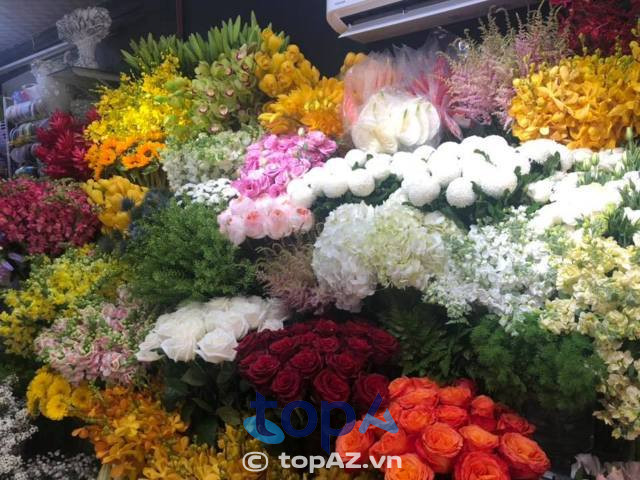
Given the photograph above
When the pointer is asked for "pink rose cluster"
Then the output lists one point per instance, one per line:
(273, 161)
(45, 216)
(275, 218)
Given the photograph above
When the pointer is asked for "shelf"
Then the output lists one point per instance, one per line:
(84, 78)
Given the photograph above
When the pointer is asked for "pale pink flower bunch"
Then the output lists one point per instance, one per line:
(273, 161)
(272, 217)
(99, 343)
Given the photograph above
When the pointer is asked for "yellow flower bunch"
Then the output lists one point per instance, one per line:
(202, 462)
(55, 288)
(316, 108)
(280, 71)
(584, 101)
(600, 286)
(114, 198)
(350, 60)
(52, 396)
(126, 427)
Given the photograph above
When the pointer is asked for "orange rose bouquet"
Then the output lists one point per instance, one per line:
(448, 430)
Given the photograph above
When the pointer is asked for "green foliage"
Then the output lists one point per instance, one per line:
(560, 373)
(179, 254)
(429, 346)
(206, 394)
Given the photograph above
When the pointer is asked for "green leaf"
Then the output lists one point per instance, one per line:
(203, 405)
(195, 376)
(206, 430)
(229, 415)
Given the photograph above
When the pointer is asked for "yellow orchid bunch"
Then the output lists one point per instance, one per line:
(114, 197)
(55, 288)
(52, 396)
(316, 107)
(584, 101)
(281, 68)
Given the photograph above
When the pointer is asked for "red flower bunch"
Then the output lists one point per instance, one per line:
(599, 24)
(449, 430)
(62, 148)
(45, 216)
(320, 358)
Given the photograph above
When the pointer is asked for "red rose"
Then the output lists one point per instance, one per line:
(384, 344)
(326, 327)
(356, 328)
(510, 422)
(262, 369)
(328, 344)
(468, 383)
(367, 387)
(453, 416)
(488, 423)
(249, 360)
(346, 364)
(307, 361)
(284, 348)
(299, 328)
(331, 387)
(359, 346)
(287, 385)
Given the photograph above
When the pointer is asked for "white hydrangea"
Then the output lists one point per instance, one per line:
(337, 256)
(215, 193)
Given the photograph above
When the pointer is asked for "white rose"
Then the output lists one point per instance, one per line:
(147, 356)
(180, 349)
(275, 310)
(271, 324)
(421, 190)
(460, 193)
(217, 346)
(335, 186)
(151, 341)
(233, 322)
(361, 182)
(356, 157)
(632, 215)
(251, 308)
(219, 303)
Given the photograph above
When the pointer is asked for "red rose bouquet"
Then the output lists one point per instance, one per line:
(449, 430)
(320, 359)
(45, 216)
(63, 147)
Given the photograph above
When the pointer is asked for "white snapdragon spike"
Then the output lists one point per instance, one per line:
(210, 330)
(611, 159)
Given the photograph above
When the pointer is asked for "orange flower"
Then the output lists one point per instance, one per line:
(482, 406)
(424, 397)
(149, 150)
(416, 419)
(477, 438)
(401, 386)
(440, 445)
(390, 444)
(454, 416)
(354, 442)
(510, 422)
(526, 459)
(412, 469)
(135, 161)
(459, 396)
(481, 465)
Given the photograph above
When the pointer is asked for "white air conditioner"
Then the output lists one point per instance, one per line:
(371, 20)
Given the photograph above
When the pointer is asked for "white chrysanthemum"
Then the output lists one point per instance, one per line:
(449, 149)
(337, 165)
(472, 144)
(541, 191)
(379, 166)
(361, 182)
(337, 256)
(424, 152)
(496, 182)
(406, 164)
(444, 169)
(460, 193)
(315, 178)
(539, 151)
(420, 189)
(300, 193)
(335, 186)
(356, 157)
(475, 167)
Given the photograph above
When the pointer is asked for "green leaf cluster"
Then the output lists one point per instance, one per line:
(560, 373)
(178, 253)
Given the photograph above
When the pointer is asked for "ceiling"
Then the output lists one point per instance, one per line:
(21, 20)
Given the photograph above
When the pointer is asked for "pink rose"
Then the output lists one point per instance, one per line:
(301, 219)
(241, 205)
(254, 224)
(235, 230)
(277, 224)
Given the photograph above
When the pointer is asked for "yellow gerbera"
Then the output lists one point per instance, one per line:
(56, 407)
(59, 386)
(82, 398)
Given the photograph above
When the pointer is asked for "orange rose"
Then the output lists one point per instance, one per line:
(481, 465)
(424, 382)
(416, 419)
(477, 438)
(510, 422)
(454, 416)
(457, 396)
(440, 445)
(482, 406)
(468, 383)
(488, 423)
(354, 442)
(390, 444)
(526, 459)
(400, 386)
(412, 469)
(423, 397)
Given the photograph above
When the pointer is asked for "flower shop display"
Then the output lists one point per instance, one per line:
(45, 216)
(477, 202)
(62, 147)
(319, 359)
(210, 330)
(444, 430)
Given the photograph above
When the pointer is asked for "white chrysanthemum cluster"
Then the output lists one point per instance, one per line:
(215, 193)
(210, 330)
(391, 121)
(362, 246)
(503, 267)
